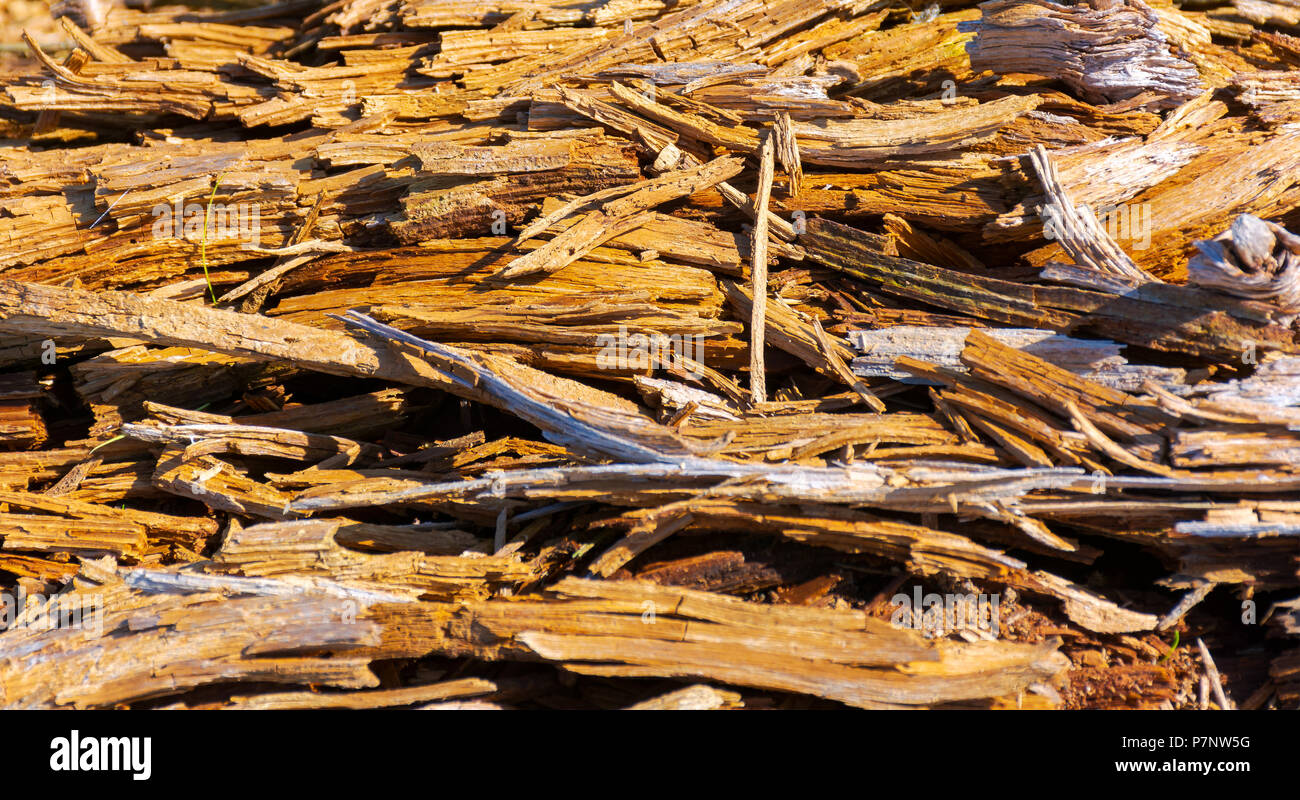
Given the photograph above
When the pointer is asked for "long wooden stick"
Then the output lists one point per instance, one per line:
(758, 251)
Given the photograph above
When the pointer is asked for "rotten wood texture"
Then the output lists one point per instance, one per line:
(350, 349)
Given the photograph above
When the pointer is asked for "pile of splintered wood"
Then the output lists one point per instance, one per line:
(652, 354)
